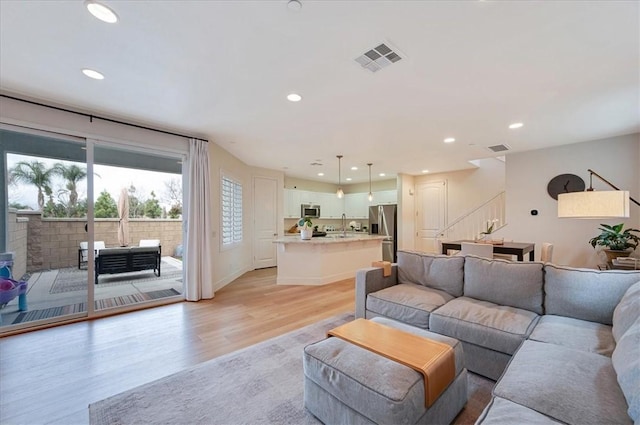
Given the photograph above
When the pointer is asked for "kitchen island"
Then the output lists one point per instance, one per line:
(323, 260)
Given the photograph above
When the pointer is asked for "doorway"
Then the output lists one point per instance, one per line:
(431, 213)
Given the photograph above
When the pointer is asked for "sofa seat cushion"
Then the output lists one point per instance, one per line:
(482, 323)
(575, 333)
(408, 302)
(569, 385)
(505, 412)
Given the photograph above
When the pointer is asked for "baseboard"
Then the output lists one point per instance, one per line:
(228, 279)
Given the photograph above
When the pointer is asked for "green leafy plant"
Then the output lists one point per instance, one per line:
(305, 222)
(613, 237)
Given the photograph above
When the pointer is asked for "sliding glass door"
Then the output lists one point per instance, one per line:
(44, 183)
(138, 225)
(87, 227)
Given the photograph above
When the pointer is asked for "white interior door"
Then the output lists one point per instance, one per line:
(431, 212)
(265, 202)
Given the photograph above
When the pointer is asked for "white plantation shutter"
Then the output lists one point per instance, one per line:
(231, 211)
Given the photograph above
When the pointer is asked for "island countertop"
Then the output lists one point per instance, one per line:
(329, 239)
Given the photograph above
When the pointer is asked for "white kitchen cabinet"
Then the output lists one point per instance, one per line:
(330, 205)
(292, 203)
(385, 197)
(356, 205)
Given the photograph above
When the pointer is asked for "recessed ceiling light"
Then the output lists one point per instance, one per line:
(382, 174)
(354, 168)
(321, 174)
(294, 5)
(101, 12)
(93, 74)
(348, 179)
(425, 171)
(449, 140)
(515, 125)
(294, 97)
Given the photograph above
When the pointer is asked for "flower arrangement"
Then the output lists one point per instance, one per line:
(490, 226)
(352, 224)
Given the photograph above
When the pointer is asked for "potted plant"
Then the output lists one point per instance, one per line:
(616, 241)
(306, 228)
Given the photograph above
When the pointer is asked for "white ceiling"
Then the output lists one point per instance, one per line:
(569, 70)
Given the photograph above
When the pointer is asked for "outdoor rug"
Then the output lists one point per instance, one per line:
(261, 384)
(73, 279)
(29, 316)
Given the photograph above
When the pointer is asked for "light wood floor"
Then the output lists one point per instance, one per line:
(51, 375)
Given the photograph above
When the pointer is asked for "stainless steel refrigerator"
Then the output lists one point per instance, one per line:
(383, 222)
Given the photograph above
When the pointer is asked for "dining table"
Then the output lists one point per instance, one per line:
(519, 249)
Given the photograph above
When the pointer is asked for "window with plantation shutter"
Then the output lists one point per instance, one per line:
(231, 195)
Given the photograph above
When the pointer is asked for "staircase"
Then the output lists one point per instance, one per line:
(475, 221)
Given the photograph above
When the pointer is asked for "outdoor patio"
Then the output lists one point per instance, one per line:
(63, 291)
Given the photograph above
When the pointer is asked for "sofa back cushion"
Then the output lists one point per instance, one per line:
(585, 294)
(434, 271)
(627, 311)
(516, 284)
(626, 362)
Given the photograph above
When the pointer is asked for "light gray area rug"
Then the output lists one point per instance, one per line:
(261, 384)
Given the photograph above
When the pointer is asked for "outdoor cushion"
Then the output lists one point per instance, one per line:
(505, 412)
(441, 272)
(500, 328)
(408, 302)
(514, 284)
(627, 311)
(572, 386)
(574, 333)
(585, 293)
(626, 362)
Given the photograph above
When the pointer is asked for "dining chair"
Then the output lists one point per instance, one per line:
(547, 252)
(479, 249)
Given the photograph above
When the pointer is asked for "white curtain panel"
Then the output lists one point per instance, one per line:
(199, 284)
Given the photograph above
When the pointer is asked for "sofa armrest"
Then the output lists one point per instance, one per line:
(371, 280)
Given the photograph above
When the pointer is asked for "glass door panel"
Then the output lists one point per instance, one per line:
(43, 275)
(138, 223)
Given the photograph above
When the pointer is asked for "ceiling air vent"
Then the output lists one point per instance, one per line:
(499, 148)
(377, 58)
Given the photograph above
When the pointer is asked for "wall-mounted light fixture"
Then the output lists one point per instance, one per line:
(370, 193)
(339, 193)
(595, 204)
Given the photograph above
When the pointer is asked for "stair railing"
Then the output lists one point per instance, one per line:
(471, 224)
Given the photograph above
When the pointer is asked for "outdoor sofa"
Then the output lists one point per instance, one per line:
(563, 343)
(128, 259)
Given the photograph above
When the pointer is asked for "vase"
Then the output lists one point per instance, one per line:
(306, 233)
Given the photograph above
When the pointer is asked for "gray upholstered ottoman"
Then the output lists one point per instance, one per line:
(346, 384)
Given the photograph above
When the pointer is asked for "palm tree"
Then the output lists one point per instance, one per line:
(73, 175)
(35, 173)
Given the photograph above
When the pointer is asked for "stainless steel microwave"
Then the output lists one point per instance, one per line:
(308, 210)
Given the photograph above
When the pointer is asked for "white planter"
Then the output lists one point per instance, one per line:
(306, 233)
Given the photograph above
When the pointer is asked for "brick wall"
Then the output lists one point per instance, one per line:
(53, 242)
(17, 242)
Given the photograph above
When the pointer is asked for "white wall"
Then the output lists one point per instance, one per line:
(406, 212)
(230, 263)
(617, 159)
(468, 189)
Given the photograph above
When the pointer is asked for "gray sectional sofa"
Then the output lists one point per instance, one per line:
(563, 343)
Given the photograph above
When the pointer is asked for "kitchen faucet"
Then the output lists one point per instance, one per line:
(344, 225)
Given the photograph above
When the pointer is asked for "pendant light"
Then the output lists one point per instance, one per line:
(370, 193)
(339, 193)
